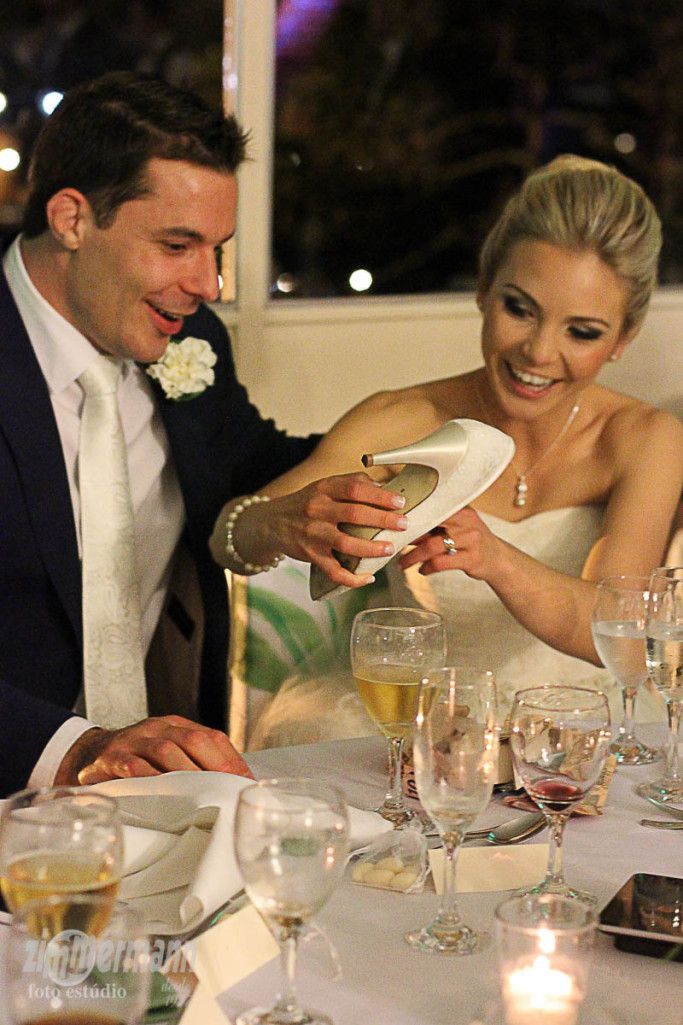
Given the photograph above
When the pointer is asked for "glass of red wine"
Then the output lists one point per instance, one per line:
(560, 738)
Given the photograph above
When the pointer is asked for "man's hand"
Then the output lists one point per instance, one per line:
(148, 748)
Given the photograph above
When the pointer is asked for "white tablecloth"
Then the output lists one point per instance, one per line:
(386, 982)
(401, 984)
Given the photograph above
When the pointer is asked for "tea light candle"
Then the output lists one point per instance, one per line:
(537, 993)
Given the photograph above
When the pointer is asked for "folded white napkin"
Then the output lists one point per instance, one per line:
(179, 861)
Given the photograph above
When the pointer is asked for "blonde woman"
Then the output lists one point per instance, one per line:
(565, 279)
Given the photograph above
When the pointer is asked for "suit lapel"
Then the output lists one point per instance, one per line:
(28, 423)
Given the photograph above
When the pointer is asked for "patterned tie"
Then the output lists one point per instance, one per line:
(113, 662)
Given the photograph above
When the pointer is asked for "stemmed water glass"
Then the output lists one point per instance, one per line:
(456, 755)
(664, 656)
(391, 650)
(560, 739)
(291, 842)
(618, 624)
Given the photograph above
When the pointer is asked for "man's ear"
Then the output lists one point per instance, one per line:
(68, 214)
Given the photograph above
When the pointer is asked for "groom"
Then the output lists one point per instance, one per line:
(132, 193)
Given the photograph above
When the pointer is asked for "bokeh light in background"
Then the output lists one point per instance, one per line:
(48, 46)
(9, 158)
(402, 126)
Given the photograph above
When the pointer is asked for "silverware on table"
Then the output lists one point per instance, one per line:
(661, 824)
(512, 831)
(517, 829)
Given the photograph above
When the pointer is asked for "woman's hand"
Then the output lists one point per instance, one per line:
(461, 542)
(306, 525)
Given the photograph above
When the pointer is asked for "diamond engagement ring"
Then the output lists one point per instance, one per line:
(449, 545)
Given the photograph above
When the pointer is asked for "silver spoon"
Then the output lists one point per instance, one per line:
(517, 829)
(661, 824)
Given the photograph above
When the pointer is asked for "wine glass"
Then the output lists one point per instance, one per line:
(59, 840)
(664, 657)
(67, 974)
(618, 624)
(291, 843)
(560, 738)
(456, 754)
(391, 650)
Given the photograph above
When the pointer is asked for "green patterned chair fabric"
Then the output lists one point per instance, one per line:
(280, 637)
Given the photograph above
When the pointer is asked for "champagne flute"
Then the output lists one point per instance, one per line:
(291, 844)
(618, 625)
(391, 650)
(664, 656)
(63, 840)
(70, 976)
(456, 756)
(560, 739)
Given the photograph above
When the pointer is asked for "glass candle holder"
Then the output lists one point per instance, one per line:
(544, 944)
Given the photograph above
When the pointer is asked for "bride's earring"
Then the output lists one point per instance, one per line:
(442, 473)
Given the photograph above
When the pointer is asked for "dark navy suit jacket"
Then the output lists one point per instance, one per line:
(221, 446)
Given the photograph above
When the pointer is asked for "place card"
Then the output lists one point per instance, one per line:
(232, 950)
(485, 869)
(202, 1009)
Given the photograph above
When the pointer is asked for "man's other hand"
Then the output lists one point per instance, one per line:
(148, 748)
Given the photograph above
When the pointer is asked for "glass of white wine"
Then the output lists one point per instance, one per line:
(291, 841)
(456, 757)
(664, 657)
(59, 841)
(99, 974)
(619, 636)
(391, 651)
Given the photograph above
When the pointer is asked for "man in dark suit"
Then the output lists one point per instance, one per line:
(133, 192)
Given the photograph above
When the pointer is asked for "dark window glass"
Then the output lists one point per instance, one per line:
(402, 125)
(47, 46)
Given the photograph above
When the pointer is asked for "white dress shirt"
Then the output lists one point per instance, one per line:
(63, 353)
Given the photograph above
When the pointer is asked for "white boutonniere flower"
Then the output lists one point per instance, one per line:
(186, 368)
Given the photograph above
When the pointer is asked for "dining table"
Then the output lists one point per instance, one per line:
(390, 983)
(383, 981)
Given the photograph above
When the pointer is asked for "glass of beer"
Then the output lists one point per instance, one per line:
(70, 975)
(391, 650)
(59, 841)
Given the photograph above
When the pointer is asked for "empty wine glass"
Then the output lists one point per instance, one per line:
(560, 739)
(619, 635)
(664, 657)
(57, 841)
(291, 843)
(456, 754)
(391, 650)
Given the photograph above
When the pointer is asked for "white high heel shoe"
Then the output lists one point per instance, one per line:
(444, 472)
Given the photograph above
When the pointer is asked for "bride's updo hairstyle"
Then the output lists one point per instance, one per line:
(583, 204)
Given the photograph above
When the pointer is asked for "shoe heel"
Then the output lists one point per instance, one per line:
(444, 449)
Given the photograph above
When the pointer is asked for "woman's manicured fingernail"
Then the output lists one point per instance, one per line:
(389, 549)
(398, 501)
(402, 523)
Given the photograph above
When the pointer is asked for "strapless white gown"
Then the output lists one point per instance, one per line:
(481, 631)
(324, 705)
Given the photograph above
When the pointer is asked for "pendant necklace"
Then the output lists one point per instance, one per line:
(521, 487)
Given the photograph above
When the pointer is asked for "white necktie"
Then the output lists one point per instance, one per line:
(113, 662)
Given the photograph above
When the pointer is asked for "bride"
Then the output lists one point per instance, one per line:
(565, 278)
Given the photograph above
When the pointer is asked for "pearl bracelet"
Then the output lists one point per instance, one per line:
(250, 567)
